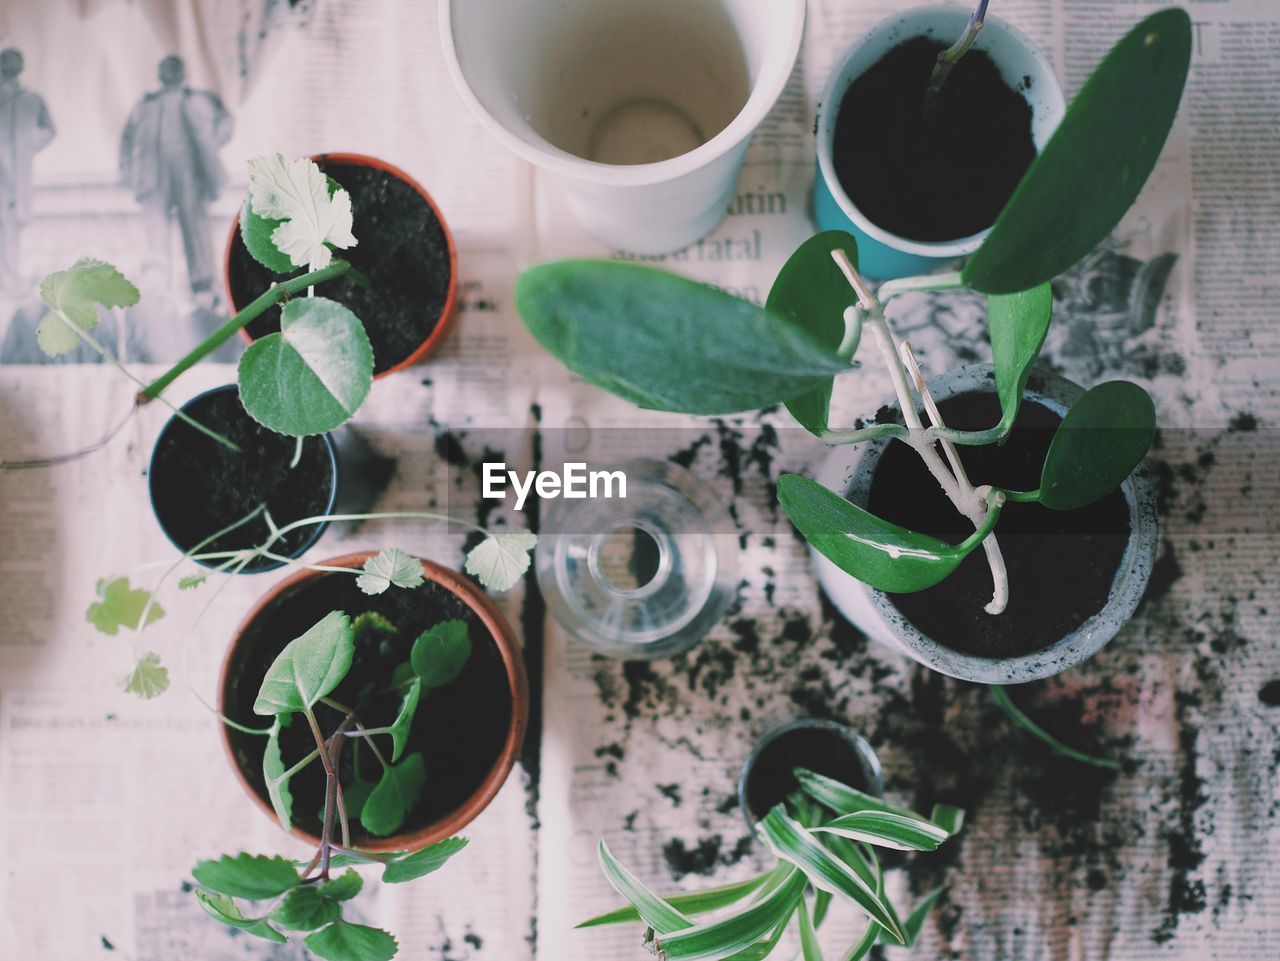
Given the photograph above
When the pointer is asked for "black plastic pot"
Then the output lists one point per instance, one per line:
(198, 486)
(825, 747)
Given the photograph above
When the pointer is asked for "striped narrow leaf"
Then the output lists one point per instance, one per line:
(718, 940)
(793, 843)
(690, 902)
(821, 904)
(869, 937)
(888, 830)
(848, 852)
(948, 817)
(652, 909)
(841, 798)
(912, 927)
(762, 949)
(808, 936)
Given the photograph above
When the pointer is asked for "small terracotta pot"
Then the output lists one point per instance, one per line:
(446, 312)
(509, 651)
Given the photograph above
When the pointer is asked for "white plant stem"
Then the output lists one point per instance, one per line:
(955, 485)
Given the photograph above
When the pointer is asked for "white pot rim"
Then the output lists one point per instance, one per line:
(764, 94)
(828, 111)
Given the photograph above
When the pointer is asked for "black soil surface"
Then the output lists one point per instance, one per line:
(938, 178)
(199, 486)
(459, 729)
(819, 749)
(401, 249)
(1061, 563)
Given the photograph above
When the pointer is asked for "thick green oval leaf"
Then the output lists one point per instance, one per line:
(440, 654)
(222, 908)
(1104, 436)
(421, 863)
(1092, 169)
(404, 719)
(313, 374)
(250, 876)
(654, 911)
(792, 843)
(668, 343)
(1018, 324)
(273, 771)
(344, 941)
(887, 830)
(813, 293)
(686, 902)
(884, 555)
(395, 796)
(309, 667)
(738, 932)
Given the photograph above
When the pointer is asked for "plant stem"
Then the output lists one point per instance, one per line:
(905, 285)
(961, 495)
(1015, 713)
(330, 794)
(251, 312)
(73, 455)
(837, 438)
(951, 56)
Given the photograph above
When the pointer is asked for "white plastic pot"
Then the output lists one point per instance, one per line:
(850, 470)
(642, 109)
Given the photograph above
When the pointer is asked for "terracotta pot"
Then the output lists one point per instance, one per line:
(508, 650)
(446, 312)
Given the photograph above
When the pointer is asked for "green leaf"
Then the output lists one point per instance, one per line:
(793, 843)
(308, 668)
(500, 560)
(1018, 324)
(147, 679)
(191, 582)
(344, 887)
(668, 343)
(313, 374)
(738, 932)
(256, 231)
(432, 858)
(948, 817)
(310, 217)
(686, 902)
(1104, 436)
(372, 622)
(254, 877)
(397, 792)
(1092, 169)
(914, 924)
(808, 937)
(343, 941)
(118, 605)
(840, 797)
(305, 909)
(404, 720)
(440, 654)
(884, 555)
(821, 904)
(887, 830)
(222, 908)
(390, 567)
(654, 911)
(355, 794)
(811, 291)
(73, 296)
(273, 770)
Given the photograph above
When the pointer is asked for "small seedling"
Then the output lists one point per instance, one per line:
(824, 837)
(948, 58)
(308, 897)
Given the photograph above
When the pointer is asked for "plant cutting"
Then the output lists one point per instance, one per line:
(824, 834)
(653, 337)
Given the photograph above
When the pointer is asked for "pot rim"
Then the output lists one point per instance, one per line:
(827, 118)
(317, 529)
(448, 311)
(853, 479)
(512, 659)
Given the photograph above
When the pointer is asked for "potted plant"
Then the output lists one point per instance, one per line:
(406, 254)
(425, 681)
(653, 337)
(824, 833)
(921, 143)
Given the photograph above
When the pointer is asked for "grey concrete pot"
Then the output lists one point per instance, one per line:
(849, 471)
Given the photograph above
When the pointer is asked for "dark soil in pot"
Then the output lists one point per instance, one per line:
(939, 178)
(821, 748)
(199, 486)
(459, 729)
(402, 249)
(1061, 563)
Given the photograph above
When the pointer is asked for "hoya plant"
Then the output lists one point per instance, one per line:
(824, 836)
(269, 896)
(670, 344)
(309, 377)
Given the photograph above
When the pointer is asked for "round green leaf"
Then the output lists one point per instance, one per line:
(813, 293)
(397, 792)
(668, 343)
(343, 941)
(308, 668)
(1018, 324)
(440, 654)
(884, 555)
(312, 375)
(1102, 439)
(256, 231)
(1092, 169)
